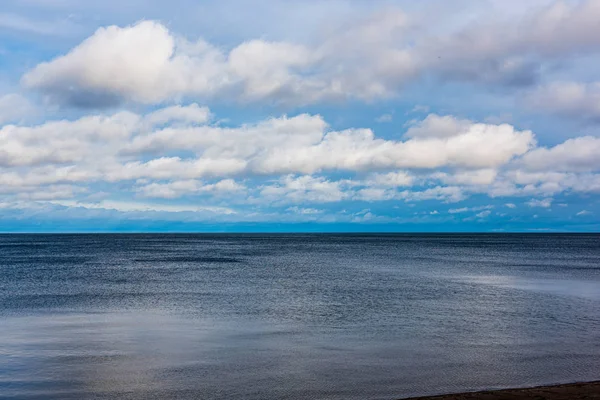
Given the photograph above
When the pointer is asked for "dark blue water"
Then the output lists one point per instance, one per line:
(296, 316)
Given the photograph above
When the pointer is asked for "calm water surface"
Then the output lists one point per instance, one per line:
(294, 316)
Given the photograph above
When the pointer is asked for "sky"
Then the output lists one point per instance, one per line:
(308, 116)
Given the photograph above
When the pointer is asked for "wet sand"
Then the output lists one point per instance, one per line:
(576, 391)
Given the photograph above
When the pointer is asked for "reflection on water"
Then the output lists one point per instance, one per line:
(270, 317)
(563, 287)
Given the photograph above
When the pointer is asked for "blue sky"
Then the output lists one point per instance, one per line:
(343, 115)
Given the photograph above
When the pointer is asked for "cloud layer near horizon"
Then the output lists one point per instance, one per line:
(179, 151)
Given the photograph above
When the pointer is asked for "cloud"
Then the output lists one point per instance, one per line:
(181, 152)
(304, 189)
(571, 99)
(420, 108)
(224, 186)
(312, 189)
(438, 126)
(128, 206)
(65, 142)
(576, 154)
(483, 214)
(467, 209)
(384, 118)
(511, 51)
(511, 205)
(470, 145)
(544, 203)
(375, 194)
(134, 62)
(366, 59)
(474, 177)
(304, 211)
(391, 179)
(45, 193)
(522, 183)
(179, 188)
(583, 213)
(146, 63)
(299, 144)
(446, 194)
(191, 114)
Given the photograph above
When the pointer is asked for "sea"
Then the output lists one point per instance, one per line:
(295, 316)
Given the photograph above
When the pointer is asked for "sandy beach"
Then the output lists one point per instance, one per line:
(575, 391)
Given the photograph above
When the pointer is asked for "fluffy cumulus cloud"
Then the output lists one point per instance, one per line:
(578, 154)
(175, 189)
(179, 152)
(471, 146)
(147, 63)
(128, 146)
(371, 58)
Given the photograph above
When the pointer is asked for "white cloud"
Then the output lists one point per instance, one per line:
(146, 63)
(366, 59)
(170, 190)
(511, 205)
(134, 62)
(64, 142)
(420, 108)
(474, 177)
(49, 192)
(173, 168)
(192, 114)
(304, 211)
(128, 146)
(583, 212)
(384, 118)
(483, 214)
(180, 151)
(471, 146)
(298, 189)
(375, 194)
(544, 203)
(572, 99)
(391, 179)
(577, 154)
(311, 189)
(438, 126)
(447, 194)
(175, 189)
(467, 209)
(521, 183)
(128, 206)
(224, 186)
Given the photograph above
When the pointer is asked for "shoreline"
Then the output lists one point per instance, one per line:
(569, 391)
